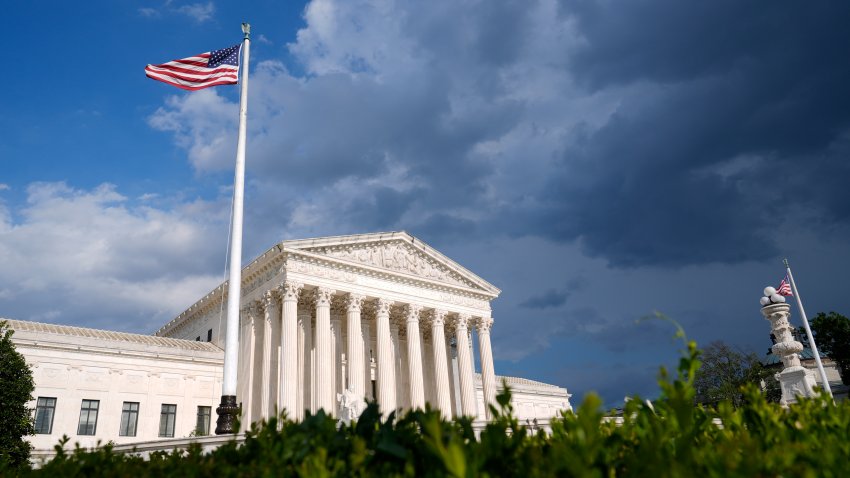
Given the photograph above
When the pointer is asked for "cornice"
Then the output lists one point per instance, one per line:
(113, 352)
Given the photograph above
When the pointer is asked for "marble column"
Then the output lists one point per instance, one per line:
(464, 363)
(397, 364)
(354, 353)
(366, 328)
(414, 357)
(324, 358)
(451, 366)
(257, 379)
(386, 366)
(289, 346)
(265, 370)
(488, 376)
(402, 378)
(246, 360)
(441, 369)
(305, 363)
(336, 359)
(275, 310)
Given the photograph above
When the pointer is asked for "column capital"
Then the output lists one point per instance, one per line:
(290, 290)
(411, 312)
(383, 306)
(255, 307)
(438, 317)
(354, 302)
(323, 296)
(461, 321)
(269, 299)
(484, 324)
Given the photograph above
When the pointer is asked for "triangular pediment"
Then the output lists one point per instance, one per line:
(396, 252)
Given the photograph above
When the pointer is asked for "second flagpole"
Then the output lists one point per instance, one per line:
(814, 347)
(228, 410)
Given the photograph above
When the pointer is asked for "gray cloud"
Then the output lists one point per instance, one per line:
(708, 85)
(550, 298)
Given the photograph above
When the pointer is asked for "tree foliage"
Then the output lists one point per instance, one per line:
(16, 387)
(832, 336)
(668, 438)
(725, 370)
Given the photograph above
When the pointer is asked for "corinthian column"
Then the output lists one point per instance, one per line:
(255, 405)
(246, 360)
(366, 328)
(441, 369)
(336, 359)
(267, 398)
(306, 397)
(354, 357)
(289, 347)
(397, 364)
(386, 367)
(464, 365)
(488, 376)
(414, 357)
(324, 360)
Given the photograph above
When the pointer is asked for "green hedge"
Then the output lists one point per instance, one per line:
(670, 437)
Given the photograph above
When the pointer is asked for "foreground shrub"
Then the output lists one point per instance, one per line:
(670, 437)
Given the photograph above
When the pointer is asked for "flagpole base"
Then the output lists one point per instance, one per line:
(228, 412)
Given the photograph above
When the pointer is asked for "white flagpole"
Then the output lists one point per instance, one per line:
(808, 330)
(228, 410)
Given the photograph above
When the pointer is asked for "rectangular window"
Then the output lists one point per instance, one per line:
(129, 419)
(203, 426)
(166, 420)
(88, 417)
(209, 335)
(45, 407)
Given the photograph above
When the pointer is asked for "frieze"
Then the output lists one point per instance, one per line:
(465, 301)
(257, 282)
(426, 293)
(321, 271)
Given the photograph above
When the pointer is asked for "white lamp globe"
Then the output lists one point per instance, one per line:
(765, 300)
(777, 299)
(769, 291)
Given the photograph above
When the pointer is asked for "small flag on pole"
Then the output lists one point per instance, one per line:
(219, 67)
(784, 287)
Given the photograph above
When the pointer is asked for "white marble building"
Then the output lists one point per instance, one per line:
(384, 316)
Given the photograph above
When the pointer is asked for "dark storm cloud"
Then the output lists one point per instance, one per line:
(730, 112)
(651, 132)
(549, 299)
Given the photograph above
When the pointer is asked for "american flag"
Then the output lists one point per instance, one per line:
(784, 287)
(219, 67)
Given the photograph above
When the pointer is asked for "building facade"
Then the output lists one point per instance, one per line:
(100, 386)
(324, 322)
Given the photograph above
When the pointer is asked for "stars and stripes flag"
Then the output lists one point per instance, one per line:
(784, 287)
(218, 67)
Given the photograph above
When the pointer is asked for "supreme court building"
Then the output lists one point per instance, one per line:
(374, 316)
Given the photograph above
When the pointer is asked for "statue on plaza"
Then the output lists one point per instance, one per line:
(350, 405)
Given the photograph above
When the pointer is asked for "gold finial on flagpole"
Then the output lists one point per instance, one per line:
(786, 262)
(246, 29)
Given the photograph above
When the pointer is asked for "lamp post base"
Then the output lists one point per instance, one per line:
(227, 412)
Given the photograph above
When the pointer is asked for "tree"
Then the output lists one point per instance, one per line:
(832, 336)
(16, 387)
(725, 370)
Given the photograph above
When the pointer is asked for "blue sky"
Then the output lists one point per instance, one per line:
(595, 160)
